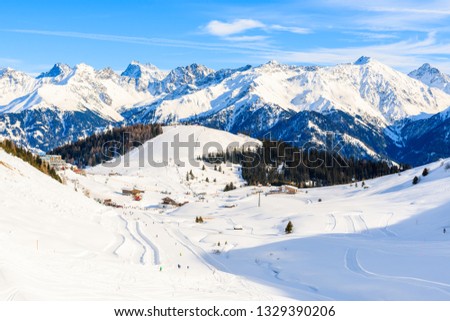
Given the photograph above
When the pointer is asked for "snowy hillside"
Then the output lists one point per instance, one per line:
(383, 241)
(61, 245)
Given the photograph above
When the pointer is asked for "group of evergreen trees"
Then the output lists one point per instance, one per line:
(27, 156)
(278, 163)
(101, 147)
(229, 187)
(425, 172)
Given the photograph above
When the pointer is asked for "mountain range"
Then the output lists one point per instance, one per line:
(372, 110)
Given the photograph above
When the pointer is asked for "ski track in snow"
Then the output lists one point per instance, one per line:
(352, 264)
(385, 229)
(133, 237)
(350, 224)
(331, 222)
(116, 244)
(361, 223)
(156, 259)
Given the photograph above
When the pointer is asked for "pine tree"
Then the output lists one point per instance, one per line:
(289, 228)
(415, 180)
(425, 172)
(203, 167)
(229, 187)
(207, 180)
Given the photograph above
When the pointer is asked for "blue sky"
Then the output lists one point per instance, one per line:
(403, 34)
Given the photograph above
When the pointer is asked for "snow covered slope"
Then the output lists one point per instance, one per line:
(57, 244)
(382, 242)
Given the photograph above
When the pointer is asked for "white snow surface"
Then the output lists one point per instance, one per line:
(384, 242)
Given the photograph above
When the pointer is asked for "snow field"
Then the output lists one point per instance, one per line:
(385, 242)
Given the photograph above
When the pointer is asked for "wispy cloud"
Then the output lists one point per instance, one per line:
(403, 15)
(239, 26)
(404, 54)
(246, 38)
(369, 36)
(439, 12)
(9, 62)
(241, 46)
(239, 41)
(297, 30)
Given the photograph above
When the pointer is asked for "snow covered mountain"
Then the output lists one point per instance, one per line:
(366, 88)
(365, 103)
(432, 77)
(143, 75)
(73, 89)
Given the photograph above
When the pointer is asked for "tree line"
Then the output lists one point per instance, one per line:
(104, 146)
(278, 163)
(30, 158)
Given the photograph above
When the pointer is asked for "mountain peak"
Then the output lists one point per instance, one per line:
(6, 70)
(84, 67)
(425, 69)
(57, 70)
(135, 69)
(363, 60)
(194, 70)
(425, 66)
(432, 77)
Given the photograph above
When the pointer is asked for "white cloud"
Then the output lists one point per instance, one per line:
(290, 29)
(218, 28)
(225, 29)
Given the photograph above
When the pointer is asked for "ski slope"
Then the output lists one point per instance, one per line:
(383, 242)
